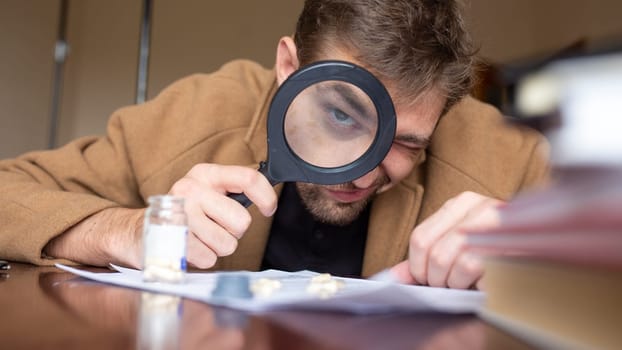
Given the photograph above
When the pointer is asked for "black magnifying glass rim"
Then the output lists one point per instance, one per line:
(284, 165)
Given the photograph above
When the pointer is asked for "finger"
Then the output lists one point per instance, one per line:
(259, 191)
(466, 272)
(238, 179)
(430, 230)
(402, 273)
(441, 258)
(224, 211)
(214, 235)
(198, 254)
(467, 268)
(202, 200)
(444, 255)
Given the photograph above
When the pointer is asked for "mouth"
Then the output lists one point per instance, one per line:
(349, 195)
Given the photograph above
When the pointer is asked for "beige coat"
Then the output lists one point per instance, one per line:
(221, 118)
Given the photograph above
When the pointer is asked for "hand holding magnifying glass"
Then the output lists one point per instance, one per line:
(330, 122)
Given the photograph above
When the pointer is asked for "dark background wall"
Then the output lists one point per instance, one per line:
(188, 36)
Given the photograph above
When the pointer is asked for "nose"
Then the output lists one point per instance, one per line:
(368, 179)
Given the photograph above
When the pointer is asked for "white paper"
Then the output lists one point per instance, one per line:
(357, 295)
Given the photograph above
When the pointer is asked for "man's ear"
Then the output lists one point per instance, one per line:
(286, 59)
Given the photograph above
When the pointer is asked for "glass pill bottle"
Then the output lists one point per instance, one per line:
(165, 232)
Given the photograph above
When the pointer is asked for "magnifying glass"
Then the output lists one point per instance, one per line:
(330, 122)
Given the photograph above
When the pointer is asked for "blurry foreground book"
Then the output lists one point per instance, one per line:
(554, 266)
(555, 305)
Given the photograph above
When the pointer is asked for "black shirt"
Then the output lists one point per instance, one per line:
(298, 242)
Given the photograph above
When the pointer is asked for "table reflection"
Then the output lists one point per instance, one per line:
(408, 331)
(159, 321)
(155, 321)
(104, 316)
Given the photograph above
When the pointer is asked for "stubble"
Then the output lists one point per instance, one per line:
(330, 211)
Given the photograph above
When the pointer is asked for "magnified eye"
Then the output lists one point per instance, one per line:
(339, 125)
(342, 118)
(343, 124)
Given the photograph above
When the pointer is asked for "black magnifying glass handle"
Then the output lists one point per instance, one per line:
(241, 197)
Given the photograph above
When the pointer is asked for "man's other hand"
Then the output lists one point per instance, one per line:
(436, 255)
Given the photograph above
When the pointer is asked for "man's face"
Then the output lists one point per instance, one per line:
(341, 204)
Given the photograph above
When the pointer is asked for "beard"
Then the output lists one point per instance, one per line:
(330, 211)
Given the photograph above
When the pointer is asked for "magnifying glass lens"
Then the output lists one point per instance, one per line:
(331, 124)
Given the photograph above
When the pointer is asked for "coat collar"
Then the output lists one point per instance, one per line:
(392, 219)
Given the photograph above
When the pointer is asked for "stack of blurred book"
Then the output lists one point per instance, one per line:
(554, 268)
(554, 265)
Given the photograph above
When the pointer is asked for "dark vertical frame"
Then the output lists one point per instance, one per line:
(143, 54)
(60, 55)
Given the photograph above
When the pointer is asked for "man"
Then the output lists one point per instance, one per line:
(203, 137)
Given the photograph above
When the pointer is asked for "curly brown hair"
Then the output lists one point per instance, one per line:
(415, 45)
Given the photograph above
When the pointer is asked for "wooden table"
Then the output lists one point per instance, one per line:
(46, 308)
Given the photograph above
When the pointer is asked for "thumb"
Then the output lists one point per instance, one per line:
(401, 272)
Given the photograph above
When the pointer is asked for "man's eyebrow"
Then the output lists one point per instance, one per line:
(420, 141)
(351, 98)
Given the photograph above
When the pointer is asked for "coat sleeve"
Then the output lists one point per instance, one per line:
(44, 193)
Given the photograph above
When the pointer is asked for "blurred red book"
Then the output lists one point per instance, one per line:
(553, 268)
(578, 220)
